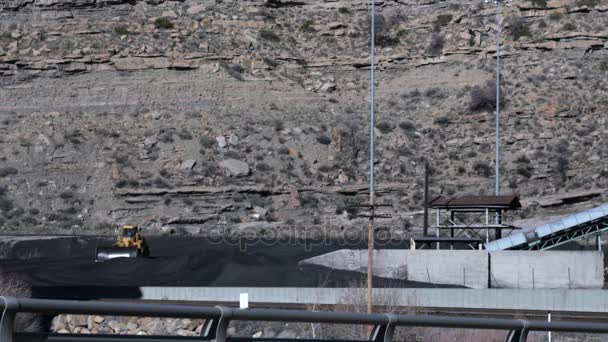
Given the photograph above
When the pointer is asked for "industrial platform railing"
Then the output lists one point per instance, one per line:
(218, 318)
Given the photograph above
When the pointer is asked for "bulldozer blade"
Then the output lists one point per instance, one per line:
(107, 253)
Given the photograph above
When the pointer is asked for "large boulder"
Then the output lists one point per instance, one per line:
(235, 168)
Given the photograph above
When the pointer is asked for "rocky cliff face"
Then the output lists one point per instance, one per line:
(228, 116)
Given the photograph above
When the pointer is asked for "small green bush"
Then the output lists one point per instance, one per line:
(7, 171)
(404, 151)
(563, 164)
(384, 31)
(73, 136)
(343, 10)
(161, 183)
(518, 28)
(273, 64)
(6, 204)
(569, 27)
(6, 36)
(523, 159)
(385, 127)
(269, 36)
(436, 44)
(483, 169)
(442, 20)
(525, 170)
(483, 97)
(121, 158)
(324, 168)
(185, 135)
(206, 141)
(323, 139)
(234, 70)
(166, 137)
(121, 30)
(587, 3)
(434, 93)
(66, 195)
(263, 167)
(349, 205)
(407, 126)
(163, 23)
(442, 121)
(555, 16)
(279, 125)
(308, 26)
(604, 66)
(539, 3)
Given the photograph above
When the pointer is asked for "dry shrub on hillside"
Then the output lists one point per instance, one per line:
(436, 44)
(518, 28)
(484, 97)
(353, 135)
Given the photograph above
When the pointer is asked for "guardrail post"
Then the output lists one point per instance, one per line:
(216, 329)
(385, 332)
(209, 329)
(8, 318)
(519, 335)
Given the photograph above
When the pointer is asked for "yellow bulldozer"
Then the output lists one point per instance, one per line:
(130, 243)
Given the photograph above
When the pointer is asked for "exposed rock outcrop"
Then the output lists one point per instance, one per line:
(110, 109)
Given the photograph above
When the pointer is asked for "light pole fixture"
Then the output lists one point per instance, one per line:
(499, 4)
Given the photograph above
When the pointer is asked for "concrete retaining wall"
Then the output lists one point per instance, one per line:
(548, 300)
(508, 269)
(464, 268)
(547, 269)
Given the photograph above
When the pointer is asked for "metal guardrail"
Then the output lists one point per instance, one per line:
(218, 318)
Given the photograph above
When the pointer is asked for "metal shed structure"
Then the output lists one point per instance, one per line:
(469, 219)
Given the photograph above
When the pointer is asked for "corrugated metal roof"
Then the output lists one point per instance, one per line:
(475, 202)
(549, 228)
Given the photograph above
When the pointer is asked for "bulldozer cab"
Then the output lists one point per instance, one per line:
(127, 231)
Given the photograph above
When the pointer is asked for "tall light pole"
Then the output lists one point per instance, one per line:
(370, 233)
(498, 4)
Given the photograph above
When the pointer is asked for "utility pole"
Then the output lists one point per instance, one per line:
(370, 236)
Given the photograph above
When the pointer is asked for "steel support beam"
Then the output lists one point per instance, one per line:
(564, 237)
